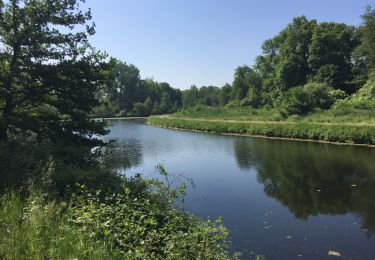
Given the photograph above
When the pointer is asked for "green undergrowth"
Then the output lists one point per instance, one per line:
(144, 220)
(341, 133)
(340, 113)
(34, 228)
(237, 113)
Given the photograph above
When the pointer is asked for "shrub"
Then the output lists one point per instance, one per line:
(304, 99)
(252, 99)
(364, 98)
(140, 109)
(143, 223)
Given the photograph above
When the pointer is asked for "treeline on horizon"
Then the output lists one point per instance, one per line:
(307, 66)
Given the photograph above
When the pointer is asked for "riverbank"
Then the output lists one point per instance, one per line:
(336, 133)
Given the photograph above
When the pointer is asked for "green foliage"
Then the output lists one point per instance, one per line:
(307, 51)
(229, 112)
(190, 97)
(252, 99)
(124, 93)
(225, 93)
(343, 133)
(52, 169)
(291, 68)
(142, 222)
(363, 99)
(245, 80)
(37, 229)
(233, 112)
(124, 84)
(140, 109)
(48, 100)
(364, 53)
(208, 96)
(139, 221)
(304, 99)
(330, 55)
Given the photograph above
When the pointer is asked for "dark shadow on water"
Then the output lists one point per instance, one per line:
(314, 179)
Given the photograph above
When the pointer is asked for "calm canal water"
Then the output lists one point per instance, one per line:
(279, 199)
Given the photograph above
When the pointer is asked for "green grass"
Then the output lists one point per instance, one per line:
(342, 114)
(237, 113)
(35, 229)
(348, 133)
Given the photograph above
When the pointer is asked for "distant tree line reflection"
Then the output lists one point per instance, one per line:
(313, 179)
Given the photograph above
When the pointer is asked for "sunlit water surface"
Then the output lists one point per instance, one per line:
(279, 199)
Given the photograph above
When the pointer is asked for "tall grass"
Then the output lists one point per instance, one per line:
(338, 114)
(237, 113)
(36, 229)
(349, 133)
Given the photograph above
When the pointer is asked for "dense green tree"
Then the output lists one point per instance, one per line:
(225, 93)
(124, 93)
(283, 63)
(124, 85)
(48, 75)
(364, 53)
(307, 51)
(209, 96)
(206, 95)
(190, 96)
(330, 55)
(292, 68)
(245, 78)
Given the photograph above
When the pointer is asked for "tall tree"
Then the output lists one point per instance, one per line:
(48, 75)
(190, 97)
(330, 55)
(225, 92)
(125, 85)
(292, 68)
(283, 63)
(244, 79)
(364, 54)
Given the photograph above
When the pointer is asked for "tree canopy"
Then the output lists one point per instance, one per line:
(49, 73)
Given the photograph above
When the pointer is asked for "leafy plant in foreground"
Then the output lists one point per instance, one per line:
(143, 222)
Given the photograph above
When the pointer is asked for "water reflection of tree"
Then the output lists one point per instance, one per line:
(312, 179)
(123, 154)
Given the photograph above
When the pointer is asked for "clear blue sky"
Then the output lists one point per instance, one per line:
(201, 42)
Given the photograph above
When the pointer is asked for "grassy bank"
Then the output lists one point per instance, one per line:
(331, 132)
(342, 114)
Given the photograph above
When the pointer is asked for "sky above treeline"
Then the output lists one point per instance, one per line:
(201, 42)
